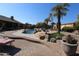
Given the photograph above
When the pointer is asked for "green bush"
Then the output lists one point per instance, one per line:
(76, 27)
(68, 29)
(55, 35)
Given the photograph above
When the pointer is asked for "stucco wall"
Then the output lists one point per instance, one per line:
(67, 25)
(64, 25)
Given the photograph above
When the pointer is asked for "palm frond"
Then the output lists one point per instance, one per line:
(55, 8)
(50, 14)
(66, 5)
(65, 9)
(55, 14)
(63, 13)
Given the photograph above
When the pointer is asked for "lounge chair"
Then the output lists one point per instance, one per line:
(4, 41)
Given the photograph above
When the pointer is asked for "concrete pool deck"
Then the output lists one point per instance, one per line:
(30, 46)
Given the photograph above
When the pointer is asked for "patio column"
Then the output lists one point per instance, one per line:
(2, 25)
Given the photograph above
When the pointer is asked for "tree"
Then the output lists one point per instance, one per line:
(77, 23)
(39, 24)
(59, 11)
(78, 19)
(52, 25)
(48, 19)
(51, 19)
(42, 25)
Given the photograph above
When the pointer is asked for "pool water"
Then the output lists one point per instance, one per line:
(29, 31)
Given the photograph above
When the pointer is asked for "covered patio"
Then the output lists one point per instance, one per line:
(7, 23)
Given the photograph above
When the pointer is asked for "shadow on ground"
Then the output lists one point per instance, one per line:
(77, 54)
(11, 50)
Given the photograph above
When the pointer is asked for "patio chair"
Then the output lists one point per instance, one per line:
(5, 40)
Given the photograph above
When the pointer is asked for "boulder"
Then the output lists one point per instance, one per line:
(40, 35)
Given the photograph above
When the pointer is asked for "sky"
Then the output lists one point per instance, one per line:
(36, 12)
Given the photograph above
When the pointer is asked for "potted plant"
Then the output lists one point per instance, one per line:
(70, 45)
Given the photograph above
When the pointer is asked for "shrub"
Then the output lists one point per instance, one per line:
(76, 27)
(55, 35)
(68, 29)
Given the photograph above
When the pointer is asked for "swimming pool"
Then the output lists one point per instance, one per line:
(29, 31)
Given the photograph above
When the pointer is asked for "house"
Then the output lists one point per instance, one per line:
(68, 25)
(65, 25)
(9, 23)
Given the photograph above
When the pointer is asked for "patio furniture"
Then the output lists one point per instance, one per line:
(5, 41)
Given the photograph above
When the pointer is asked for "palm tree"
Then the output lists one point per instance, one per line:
(59, 11)
(52, 25)
(51, 19)
(47, 20)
